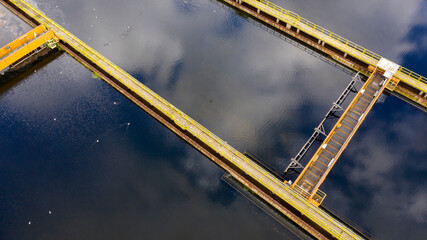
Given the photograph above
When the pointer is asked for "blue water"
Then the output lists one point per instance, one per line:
(80, 161)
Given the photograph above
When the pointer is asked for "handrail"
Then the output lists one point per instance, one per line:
(314, 29)
(22, 40)
(185, 122)
(334, 39)
(26, 49)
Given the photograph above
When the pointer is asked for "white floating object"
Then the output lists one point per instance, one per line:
(97, 140)
(50, 212)
(29, 223)
(128, 124)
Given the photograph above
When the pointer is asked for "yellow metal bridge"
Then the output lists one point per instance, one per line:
(326, 36)
(26, 45)
(300, 201)
(308, 182)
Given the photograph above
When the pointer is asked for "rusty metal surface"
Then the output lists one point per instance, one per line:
(265, 190)
(405, 93)
(205, 150)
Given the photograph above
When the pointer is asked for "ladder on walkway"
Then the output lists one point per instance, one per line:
(308, 182)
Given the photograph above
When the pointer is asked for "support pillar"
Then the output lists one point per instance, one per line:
(288, 26)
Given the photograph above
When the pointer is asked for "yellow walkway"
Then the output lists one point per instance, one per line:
(329, 224)
(24, 45)
(326, 36)
(309, 181)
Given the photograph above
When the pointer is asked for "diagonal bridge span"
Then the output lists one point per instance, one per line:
(406, 85)
(310, 179)
(281, 196)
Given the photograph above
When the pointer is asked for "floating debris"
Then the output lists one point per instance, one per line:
(126, 32)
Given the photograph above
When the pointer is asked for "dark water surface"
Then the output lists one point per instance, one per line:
(80, 161)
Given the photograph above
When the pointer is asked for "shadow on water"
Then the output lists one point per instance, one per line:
(284, 221)
(121, 185)
(21, 71)
(285, 37)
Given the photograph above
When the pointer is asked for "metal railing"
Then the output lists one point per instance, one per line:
(22, 40)
(335, 156)
(185, 122)
(315, 30)
(335, 40)
(409, 76)
(319, 196)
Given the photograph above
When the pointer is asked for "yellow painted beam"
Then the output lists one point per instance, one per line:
(301, 177)
(18, 54)
(326, 36)
(250, 168)
(21, 40)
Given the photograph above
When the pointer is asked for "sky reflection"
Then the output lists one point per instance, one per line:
(249, 87)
